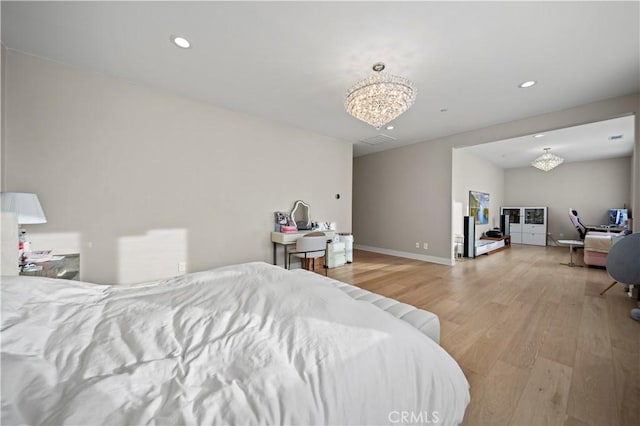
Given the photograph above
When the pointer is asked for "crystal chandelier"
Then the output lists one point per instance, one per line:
(547, 161)
(380, 98)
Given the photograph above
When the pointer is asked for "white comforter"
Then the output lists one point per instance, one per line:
(246, 344)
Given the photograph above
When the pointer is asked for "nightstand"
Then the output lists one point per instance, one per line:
(67, 268)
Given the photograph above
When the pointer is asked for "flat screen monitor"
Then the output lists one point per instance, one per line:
(618, 217)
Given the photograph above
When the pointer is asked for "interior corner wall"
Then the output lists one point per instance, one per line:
(138, 180)
(472, 173)
(589, 187)
(416, 200)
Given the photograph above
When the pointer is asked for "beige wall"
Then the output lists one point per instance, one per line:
(590, 187)
(417, 199)
(9, 247)
(140, 180)
(472, 173)
(398, 198)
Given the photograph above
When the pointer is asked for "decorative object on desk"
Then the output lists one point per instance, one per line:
(323, 226)
(479, 207)
(380, 98)
(300, 215)
(26, 207)
(282, 219)
(547, 161)
(287, 228)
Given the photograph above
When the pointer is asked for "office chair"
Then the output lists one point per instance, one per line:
(575, 220)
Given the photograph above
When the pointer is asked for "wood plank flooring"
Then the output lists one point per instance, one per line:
(536, 341)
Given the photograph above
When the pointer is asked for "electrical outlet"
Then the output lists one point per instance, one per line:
(426, 246)
(561, 235)
(417, 245)
(182, 266)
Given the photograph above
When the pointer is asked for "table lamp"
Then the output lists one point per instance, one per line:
(25, 206)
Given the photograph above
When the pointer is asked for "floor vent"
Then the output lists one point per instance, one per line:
(378, 139)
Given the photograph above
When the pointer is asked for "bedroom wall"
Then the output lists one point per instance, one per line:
(398, 201)
(472, 173)
(572, 185)
(420, 179)
(138, 180)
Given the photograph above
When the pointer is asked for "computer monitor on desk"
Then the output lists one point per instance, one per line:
(618, 222)
(618, 217)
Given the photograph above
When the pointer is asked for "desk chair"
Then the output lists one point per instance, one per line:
(623, 261)
(309, 248)
(575, 219)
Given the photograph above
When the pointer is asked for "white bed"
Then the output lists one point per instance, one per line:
(245, 344)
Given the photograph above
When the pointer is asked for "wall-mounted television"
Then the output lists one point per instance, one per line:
(618, 217)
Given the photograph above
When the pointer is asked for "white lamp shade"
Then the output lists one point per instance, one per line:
(25, 206)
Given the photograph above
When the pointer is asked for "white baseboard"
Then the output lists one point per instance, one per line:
(408, 255)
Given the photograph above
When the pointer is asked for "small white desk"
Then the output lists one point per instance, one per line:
(288, 238)
(571, 244)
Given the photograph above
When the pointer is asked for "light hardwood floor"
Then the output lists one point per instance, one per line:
(536, 341)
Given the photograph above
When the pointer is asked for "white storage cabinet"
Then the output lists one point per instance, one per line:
(527, 225)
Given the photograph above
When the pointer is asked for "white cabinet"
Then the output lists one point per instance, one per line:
(527, 225)
(336, 255)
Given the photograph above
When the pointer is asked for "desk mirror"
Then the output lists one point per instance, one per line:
(300, 215)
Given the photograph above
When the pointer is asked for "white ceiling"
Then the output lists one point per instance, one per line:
(591, 141)
(293, 61)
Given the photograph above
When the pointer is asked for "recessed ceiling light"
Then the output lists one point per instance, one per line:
(181, 42)
(539, 135)
(527, 84)
(389, 127)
